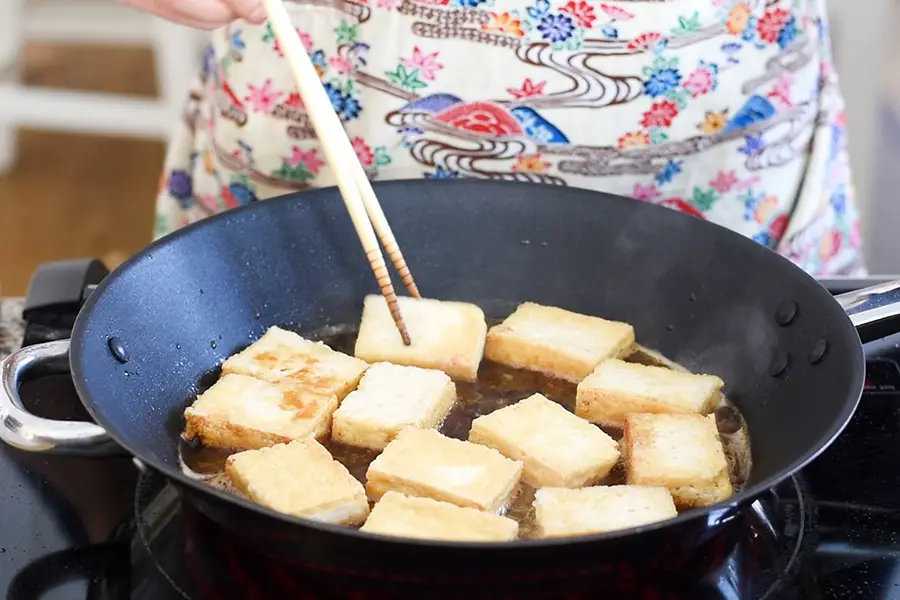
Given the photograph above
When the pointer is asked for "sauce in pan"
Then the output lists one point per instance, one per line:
(497, 386)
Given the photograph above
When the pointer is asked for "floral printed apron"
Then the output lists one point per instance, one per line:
(728, 110)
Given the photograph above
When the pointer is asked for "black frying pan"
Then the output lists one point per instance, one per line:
(705, 297)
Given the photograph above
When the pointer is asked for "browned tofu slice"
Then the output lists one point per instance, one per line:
(447, 336)
(408, 516)
(617, 388)
(312, 367)
(424, 463)
(681, 452)
(557, 342)
(299, 479)
(557, 448)
(390, 398)
(242, 413)
(563, 512)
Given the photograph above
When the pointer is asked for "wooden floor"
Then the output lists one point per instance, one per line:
(73, 196)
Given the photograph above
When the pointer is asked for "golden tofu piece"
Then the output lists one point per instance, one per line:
(557, 342)
(390, 398)
(681, 452)
(282, 355)
(617, 388)
(242, 413)
(412, 517)
(557, 448)
(447, 336)
(300, 479)
(424, 463)
(563, 512)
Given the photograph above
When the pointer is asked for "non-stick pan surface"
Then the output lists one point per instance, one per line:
(705, 297)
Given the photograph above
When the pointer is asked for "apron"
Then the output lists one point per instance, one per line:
(728, 110)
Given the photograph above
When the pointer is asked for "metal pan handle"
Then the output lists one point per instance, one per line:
(874, 310)
(21, 429)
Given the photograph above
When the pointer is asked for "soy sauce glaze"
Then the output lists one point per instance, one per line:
(497, 386)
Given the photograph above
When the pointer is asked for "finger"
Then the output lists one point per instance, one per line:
(205, 25)
(212, 13)
(251, 10)
(200, 14)
(258, 16)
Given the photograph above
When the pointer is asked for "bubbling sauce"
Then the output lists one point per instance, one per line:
(497, 386)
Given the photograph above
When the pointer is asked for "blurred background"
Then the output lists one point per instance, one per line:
(89, 92)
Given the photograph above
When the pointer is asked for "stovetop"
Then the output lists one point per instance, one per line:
(75, 528)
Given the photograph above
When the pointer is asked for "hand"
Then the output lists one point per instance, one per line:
(202, 14)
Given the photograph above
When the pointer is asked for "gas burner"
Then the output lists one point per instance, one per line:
(191, 557)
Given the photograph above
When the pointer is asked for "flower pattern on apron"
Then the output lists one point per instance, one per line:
(728, 110)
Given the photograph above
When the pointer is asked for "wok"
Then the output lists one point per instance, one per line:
(705, 297)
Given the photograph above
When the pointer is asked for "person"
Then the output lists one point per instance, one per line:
(728, 110)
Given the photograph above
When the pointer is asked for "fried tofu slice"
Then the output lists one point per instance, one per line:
(390, 398)
(424, 463)
(408, 516)
(617, 388)
(300, 479)
(556, 342)
(563, 512)
(282, 355)
(243, 413)
(447, 336)
(681, 452)
(557, 448)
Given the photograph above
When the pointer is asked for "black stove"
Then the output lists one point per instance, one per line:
(75, 528)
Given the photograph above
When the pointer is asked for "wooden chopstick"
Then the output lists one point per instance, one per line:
(355, 188)
(383, 229)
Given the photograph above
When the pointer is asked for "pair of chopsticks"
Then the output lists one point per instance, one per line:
(359, 197)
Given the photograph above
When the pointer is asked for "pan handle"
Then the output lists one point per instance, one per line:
(25, 431)
(875, 310)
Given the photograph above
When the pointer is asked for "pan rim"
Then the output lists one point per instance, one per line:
(721, 509)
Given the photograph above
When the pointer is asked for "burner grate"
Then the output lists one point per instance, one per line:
(198, 560)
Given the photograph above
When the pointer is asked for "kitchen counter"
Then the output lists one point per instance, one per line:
(12, 328)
